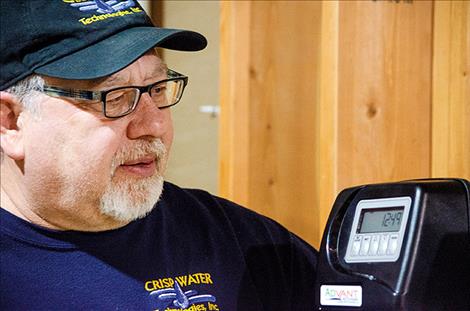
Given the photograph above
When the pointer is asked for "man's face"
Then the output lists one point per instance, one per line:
(85, 172)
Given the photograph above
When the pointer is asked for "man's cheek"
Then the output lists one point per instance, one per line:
(99, 147)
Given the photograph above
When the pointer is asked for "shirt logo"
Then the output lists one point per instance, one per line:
(175, 297)
(101, 6)
(173, 294)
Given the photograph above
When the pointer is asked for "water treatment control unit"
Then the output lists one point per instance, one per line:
(397, 246)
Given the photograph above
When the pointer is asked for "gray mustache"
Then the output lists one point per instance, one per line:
(138, 149)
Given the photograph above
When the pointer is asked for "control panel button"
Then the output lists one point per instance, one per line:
(383, 244)
(365, 245)
(392, 244)
(374, 245)
(356, 245)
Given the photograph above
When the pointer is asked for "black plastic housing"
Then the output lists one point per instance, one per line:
(433, 270)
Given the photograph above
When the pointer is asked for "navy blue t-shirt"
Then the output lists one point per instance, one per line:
(194, 251)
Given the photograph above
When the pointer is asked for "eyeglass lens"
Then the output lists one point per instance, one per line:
(122, 101)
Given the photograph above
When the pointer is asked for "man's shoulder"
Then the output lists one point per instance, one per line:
(247, 225)
(202, 201)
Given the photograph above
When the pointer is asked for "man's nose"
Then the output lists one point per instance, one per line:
(148, 119)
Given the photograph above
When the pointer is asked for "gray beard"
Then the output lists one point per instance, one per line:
(131, 199)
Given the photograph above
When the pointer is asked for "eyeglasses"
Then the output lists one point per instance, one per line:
(121, 101)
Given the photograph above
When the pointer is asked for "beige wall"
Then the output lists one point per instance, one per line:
(146, 4)
(194, 157)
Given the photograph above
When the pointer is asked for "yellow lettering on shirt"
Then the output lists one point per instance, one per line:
(198, 307)
(183, 280)
(74, 1)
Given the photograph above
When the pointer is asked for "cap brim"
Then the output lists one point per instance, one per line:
(118, 51)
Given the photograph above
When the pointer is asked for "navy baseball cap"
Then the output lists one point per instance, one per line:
(79, 39)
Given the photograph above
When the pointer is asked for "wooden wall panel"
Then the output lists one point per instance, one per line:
(451, 90)
(373, 109)
(384, 91)
(269, 92)
(326, 151)
(374, 119)
(234, 101)
(284, 76)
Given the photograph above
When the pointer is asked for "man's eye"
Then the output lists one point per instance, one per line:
(121, 96)
(158, 90)
(115, 97)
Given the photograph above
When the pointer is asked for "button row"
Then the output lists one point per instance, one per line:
(375, 245)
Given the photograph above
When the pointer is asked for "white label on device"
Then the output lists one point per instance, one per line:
(341, 295)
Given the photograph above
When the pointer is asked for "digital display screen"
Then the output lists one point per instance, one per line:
(374, 220)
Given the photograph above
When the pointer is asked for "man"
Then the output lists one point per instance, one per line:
(87, 221)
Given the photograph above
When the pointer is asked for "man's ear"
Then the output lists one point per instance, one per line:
(11, 134)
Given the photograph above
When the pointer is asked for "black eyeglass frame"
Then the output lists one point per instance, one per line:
(101, 95)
